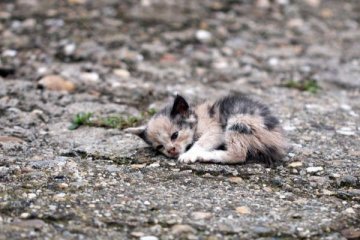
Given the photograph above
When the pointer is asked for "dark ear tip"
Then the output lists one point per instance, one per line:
(178, 96)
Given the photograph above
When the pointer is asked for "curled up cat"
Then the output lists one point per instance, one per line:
(231, 130)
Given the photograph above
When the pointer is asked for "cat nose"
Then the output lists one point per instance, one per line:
(172, 151)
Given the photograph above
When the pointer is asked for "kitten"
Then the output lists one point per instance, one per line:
(230, 130)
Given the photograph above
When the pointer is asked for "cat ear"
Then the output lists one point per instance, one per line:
(180, 107)
(139, 131)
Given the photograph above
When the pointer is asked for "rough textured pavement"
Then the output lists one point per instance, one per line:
(123, 57)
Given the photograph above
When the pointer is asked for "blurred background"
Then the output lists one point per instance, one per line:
(144, 50)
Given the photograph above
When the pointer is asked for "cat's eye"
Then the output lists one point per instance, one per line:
(174, 136)
(159, 147)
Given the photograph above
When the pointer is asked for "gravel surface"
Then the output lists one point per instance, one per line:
(109, 57)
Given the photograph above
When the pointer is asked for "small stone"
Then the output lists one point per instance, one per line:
(314, 169)
(149, 238)
(33, 223)
(335, 175)
(345, 131)
(263, 4)
(52, 207)
(313, 3)
(201, 215)
(123, 73)
(328, 192)
(137, 234)
(10, 139)
(262, 230)
(220, 64)
(29, 23)
(63, 185)
(77, 1)
(69, 49)
(56, 83)
(203, 36)
(235, 179)
(295, 23)
(31, 196)
(59, 197)
(90, 76)
(273, 62)
(243, 210)
(267, 189)
(181, 229)
(348, 180)
(25, 215)
(154, 165)
(9, 53)
(277, 181)
(138, 166)
(295, 164)
(167, 57)
(351, 233)
(349, 211)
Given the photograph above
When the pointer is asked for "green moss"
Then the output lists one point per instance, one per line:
(309, 85)
(79, 120)
(114, 121)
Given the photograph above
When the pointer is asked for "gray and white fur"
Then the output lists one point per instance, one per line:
(231, 130)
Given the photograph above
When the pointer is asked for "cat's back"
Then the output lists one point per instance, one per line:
(228, 106)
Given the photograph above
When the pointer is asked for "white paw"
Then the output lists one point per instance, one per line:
(187, 158)
(191, 156)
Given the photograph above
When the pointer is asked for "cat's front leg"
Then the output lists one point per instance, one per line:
(194, 154)
(207, 142)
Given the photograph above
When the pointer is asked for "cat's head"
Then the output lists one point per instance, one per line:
(171, 130)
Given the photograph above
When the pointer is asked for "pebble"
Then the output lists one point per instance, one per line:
(313, 3)
(262, 230)
(77, 1)
(295, 23)
(123, 73)
(203, 36)
(25, 215)
(328, 192)
(349, 180)
(57, 83)
(182, 228)
(295, 164)
(137, 234)
(10, 139)
(235, 179)
(149, 238)
(154, 165)
(33, 223)
(243, 210)
(90, 76)
(9, 53)
(138, 166)
(314, 169)
(69, 49)
(277, 181)
(351, 233)
(346, 131)
(201, 215)
(349, 211)
(59, 197)
(63, 185)
(31, 195)
(273, 62)
(52, 207)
